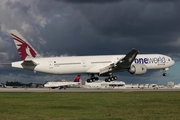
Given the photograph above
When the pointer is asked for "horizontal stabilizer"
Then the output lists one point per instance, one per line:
(29, 63)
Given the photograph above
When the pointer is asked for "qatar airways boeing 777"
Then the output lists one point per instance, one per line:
(101, 65)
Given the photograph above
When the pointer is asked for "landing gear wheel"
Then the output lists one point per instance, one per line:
(164, 74)
(112, 78)
(115, 78)
(165, 69)
(88, 80)
(93, 78)
(109, 80)
(96, 78)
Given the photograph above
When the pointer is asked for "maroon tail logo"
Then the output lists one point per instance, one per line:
(24, 49)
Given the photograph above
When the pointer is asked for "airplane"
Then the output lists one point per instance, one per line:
(63, 84)
(100, 65)
(103, 84)
(10, 86)
(3, 85)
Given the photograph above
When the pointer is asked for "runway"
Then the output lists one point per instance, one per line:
(84, 90)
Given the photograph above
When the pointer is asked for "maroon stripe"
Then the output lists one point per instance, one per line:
(17, 38)
(21, 41)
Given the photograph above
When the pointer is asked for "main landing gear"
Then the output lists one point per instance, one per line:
(92, 79)
(111, 78)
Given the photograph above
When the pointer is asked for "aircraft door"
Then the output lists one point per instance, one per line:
(50, 64)
(84, 63)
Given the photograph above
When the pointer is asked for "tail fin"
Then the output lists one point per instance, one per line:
(77, 79)
(26, 51)
(3, 85)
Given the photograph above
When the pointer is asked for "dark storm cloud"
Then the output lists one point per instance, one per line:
(144, 23)
(105, 27)
(160, 1)
(112, 28)
(90, 1)
(17, 5)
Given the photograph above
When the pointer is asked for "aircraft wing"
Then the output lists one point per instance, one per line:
(121, 65)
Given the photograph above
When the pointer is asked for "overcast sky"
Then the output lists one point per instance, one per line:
(91, 27)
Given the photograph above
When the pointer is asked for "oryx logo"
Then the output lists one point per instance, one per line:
(23, 48)
(142, 68)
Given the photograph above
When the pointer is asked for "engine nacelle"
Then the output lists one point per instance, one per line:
(138, 69)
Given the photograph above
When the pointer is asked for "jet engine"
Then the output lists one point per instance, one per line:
(138, 69)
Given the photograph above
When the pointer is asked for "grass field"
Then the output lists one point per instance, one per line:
(87, 106)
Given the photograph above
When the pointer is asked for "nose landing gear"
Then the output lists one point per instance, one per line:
(164, 74)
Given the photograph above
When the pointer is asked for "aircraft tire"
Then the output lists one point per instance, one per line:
(164, 74)
(96, 78)
(115, 78)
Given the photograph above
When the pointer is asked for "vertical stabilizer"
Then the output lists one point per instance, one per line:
(77, 79)
(26, 51)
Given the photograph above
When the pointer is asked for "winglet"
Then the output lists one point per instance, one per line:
(26, 51)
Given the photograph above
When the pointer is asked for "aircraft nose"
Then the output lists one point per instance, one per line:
(172, 62)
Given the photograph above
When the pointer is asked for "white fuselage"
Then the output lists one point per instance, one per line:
(92, 64)
(58, 84)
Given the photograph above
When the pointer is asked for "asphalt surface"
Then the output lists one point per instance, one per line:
(86, 90)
